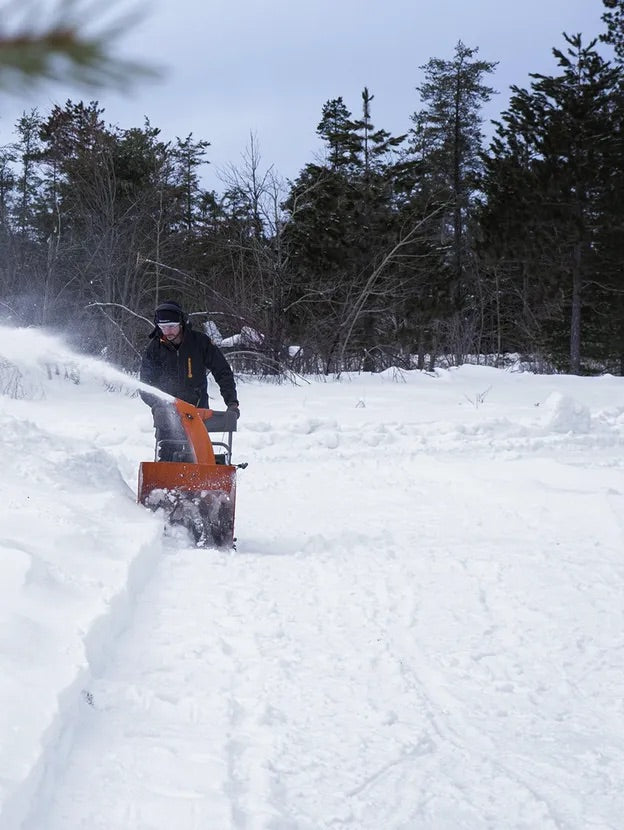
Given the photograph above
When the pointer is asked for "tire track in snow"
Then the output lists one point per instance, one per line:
(449, 746)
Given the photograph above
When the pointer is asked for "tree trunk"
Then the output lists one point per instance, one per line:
(575, 314)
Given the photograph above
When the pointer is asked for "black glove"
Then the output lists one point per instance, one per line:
(233, 407)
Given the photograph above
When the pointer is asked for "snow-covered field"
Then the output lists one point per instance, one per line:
(422, 625)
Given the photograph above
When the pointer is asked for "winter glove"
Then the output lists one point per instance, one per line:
(233, 407)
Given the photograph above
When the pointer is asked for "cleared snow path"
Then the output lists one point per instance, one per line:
(450, 671)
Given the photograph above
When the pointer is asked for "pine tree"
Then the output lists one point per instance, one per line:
(447, 134)
(614, 18)
(374, 145)
(339, 132)
(351, 241)
(29, 181)
(189, 156)
(552, 183)
(112, 208)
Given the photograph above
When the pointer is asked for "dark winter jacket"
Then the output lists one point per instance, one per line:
(182, 371)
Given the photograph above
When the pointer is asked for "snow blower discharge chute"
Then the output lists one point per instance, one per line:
(197, 488)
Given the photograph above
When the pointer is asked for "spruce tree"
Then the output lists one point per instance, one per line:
(189, 156)
(614, 18)
(552, 187)
(339, 132)
(342, 223)
(447, 135)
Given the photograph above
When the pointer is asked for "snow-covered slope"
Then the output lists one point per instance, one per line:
(421, 626)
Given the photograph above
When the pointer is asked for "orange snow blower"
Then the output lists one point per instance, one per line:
(195, 487)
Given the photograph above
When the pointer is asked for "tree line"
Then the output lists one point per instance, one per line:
(390, 251)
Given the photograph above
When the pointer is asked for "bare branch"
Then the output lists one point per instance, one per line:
(370, 283)
(101, 306)
(123, 307)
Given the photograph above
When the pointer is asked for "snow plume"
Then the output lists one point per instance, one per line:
(29, 358)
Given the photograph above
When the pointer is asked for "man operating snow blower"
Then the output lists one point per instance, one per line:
(176, 361)
(194, 486)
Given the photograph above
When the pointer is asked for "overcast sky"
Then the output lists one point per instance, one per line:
(232, 67)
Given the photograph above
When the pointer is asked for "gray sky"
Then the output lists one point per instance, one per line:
(232, 67)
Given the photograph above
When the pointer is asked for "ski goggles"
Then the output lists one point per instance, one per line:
(168, 326)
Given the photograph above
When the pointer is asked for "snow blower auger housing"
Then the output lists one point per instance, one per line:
(196, 489)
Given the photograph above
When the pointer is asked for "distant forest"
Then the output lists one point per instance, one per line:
(393, 251)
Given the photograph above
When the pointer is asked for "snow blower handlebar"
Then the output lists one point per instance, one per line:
(197, 431)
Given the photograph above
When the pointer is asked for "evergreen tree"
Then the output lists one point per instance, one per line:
(551, 185)
(112, 208)
(25, 254)
(189, 156)
(339, 132)
(447, 136)
(348, 221)
(8, 157)
(375, 145)
(614, 18)
(8, 277)
(29, 181)
(321, 235)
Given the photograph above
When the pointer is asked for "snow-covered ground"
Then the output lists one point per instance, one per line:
(422, 625)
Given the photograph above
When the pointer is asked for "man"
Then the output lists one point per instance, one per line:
(176, 361)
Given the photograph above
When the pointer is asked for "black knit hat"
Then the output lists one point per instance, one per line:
(168, 312)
